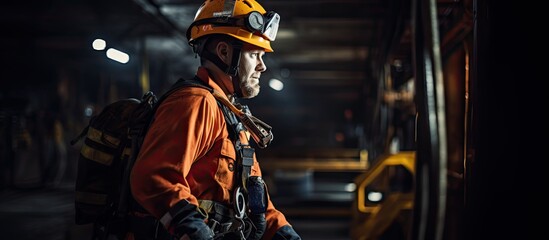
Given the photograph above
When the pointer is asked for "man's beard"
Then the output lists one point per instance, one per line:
(248, 91)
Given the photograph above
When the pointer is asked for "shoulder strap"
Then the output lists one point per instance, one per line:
(194, 82)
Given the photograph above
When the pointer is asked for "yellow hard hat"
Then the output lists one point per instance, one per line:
(245, 20)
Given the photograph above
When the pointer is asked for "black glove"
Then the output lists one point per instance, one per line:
(188, 220)
(260, 224)
(286, 233)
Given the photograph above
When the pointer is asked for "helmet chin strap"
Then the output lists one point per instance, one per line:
(231, 70)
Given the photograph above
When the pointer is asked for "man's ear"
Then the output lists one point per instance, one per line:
(223, 52)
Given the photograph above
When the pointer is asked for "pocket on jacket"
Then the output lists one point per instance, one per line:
(226, 165)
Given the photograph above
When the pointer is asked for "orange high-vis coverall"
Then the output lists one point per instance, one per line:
(187, 154)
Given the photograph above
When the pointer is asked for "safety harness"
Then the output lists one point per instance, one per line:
(246, 218)
(249, 194)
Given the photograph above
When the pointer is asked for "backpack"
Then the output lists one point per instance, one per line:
(111, 144)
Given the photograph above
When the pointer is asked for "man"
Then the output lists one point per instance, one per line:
(194, 171)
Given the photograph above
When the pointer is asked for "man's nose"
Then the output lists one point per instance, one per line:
(262, 67)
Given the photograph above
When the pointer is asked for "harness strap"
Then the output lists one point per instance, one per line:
(223, 221)
(220, 217)
(216, 210)
(244, 152)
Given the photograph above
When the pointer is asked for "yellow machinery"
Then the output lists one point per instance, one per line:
(384, 196)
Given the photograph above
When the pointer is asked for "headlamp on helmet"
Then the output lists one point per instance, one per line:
(266, 25)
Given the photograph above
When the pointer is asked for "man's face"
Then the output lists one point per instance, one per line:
(250, 69)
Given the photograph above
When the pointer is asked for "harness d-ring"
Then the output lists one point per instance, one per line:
(239, 203)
